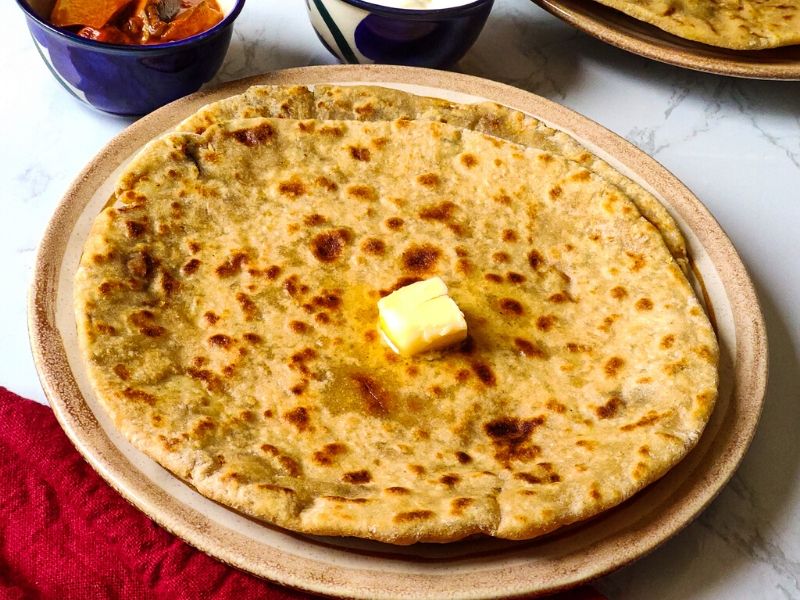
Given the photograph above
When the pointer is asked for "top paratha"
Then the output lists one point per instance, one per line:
(226, 308)
(735, 24)
(372, 103)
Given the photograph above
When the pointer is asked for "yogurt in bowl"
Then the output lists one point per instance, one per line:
(422, 33)
(420, 4)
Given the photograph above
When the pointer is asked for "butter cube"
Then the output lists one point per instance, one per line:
(421, 317)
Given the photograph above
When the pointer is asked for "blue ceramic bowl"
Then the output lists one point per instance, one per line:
(361, 32)
(128, 80)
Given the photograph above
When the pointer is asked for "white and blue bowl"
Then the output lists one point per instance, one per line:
(129, 80)
(361, 32)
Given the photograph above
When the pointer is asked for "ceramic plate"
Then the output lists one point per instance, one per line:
(362, 569)
(641, 38)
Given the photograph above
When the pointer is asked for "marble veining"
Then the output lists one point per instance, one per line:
(735, 143)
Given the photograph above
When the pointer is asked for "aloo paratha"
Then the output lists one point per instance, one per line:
(735, 24)
(226, 309)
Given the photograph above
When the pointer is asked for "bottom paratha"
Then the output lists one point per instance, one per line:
(227, 311)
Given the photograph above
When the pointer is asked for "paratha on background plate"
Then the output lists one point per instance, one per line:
(734, 24)
(374, 103)
(226, 308)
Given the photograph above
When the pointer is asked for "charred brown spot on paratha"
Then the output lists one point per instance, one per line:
(275, 488)
(511, 436)
(398, 490)
(331, 130)
(299, 327)
(169, 285)
(232, 264)
(191, 266)
(248, 307)
(105, 328)
(503, 199)
(394, 223)
(327, 456)
(545, 322)
(429, 179)
(326, 183)
(484, 373)
(529, 349)
(135, 229)
(328, 246)
(203, 426)
(211, 317)
(450, 479)
(705, 353)
(421, 258)
(667, 341)
(469, 160)
(122, 372)
(357, 477)
(510, 236)
(362, 192)
(145, 323)
(359, 153)
(221, 341)
(331, 300)
(651, 418)
(613, 365)
(501, 257)
(139, 396)
(555, 192)
(493, 277)
(610, 408)
(438, 212)
(463, 457)
(298, 417)
(619, 292)
(644, 304)
(373, 246)
(511, 307)
(254, 136)
(293, 187)
(515, 278)
(458, 505)
(637, 261)
(535, 259)
(559, 298)
(414, 515)
(344, 500)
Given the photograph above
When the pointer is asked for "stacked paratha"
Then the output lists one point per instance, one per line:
(226, 306)
(735, 24)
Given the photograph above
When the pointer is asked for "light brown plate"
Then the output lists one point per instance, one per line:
(622, 31)
(356, 568)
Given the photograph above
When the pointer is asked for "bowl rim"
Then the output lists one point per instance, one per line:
(418, 13)
(132, 48)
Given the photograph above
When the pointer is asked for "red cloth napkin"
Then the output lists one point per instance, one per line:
(65, 534)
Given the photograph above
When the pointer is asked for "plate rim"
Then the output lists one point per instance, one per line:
(84, 431)
(600, 29)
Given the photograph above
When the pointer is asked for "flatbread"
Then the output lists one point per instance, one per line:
(373, 103)
(226, 307)
(735, 24)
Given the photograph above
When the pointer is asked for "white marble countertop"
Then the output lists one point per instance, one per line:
(735, 143)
